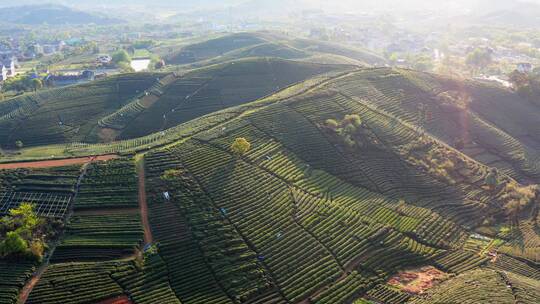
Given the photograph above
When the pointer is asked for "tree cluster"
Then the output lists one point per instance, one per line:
(479, 59)
(526, 85)
(22, 83)
(23, 233)
(346, 129)
(122, 59)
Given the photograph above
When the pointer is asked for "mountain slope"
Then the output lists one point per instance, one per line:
(324, 207)
(330, 222)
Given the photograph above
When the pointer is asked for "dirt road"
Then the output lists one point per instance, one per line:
(142, 202)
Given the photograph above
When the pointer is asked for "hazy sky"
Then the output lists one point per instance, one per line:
(335, 5)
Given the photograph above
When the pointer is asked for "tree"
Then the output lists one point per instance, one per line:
(332, 124)
(19, 144)
(492, 178)
(512, 211)
(518, 79)
(352, 119)
(479, 58)
(14, 244)
(125, 67)
(121, 56)
(159, 64)
(393, 58)
(171, 174)
(37, 248)
(37, 84)
(423, 63)
(26, 216)
(240, 146)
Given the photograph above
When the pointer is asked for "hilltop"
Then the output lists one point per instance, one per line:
(267, 44)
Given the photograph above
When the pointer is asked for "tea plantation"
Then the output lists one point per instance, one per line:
(360, 185)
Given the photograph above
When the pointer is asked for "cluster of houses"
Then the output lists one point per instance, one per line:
(12, 52)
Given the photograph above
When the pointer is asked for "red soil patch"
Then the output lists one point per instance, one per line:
(58, 162)
(29, 286)
(417, 281)
(117, 300)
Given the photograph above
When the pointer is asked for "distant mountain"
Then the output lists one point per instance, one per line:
(184, 4)
(51, 14)
(518, 14)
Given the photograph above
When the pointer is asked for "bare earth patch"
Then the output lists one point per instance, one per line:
(418, 281)
(118, 300)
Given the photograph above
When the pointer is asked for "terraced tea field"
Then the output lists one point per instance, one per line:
(49, 190)
(134, 105)
(349, 192)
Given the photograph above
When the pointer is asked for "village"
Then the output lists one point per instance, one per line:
(61, 62)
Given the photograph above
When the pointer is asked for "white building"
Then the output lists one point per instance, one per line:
(7, 68)
(524, 67)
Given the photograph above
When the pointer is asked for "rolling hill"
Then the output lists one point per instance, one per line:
(360, 185)
(135, 105)
(267, 44)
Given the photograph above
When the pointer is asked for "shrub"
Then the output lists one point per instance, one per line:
(24, 233)
(240, 146)
(26, 216)
(352, 119)
(332, 124)
(171, 174)
(37, 248)
(492, 178)
(121, 56)
(13, 245)
(347, 128)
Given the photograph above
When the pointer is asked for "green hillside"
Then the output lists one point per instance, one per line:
(133, 105)
(357, 185)
(267, 44)
(67, 114)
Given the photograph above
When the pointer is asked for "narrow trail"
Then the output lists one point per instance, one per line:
(118, 300)
(148, 239)
(57, 162)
